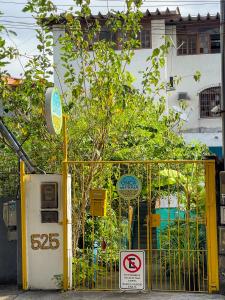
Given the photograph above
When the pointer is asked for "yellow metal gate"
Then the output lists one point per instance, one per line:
(173, 220)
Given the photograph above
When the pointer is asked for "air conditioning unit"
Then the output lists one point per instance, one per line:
(183, 96)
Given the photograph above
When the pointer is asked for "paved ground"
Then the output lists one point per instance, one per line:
(12, 293)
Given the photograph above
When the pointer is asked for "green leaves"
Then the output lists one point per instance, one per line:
(171, 177)
(197, 76)
(155, 53)
(28, 7)
(41, 7)
(109, 117)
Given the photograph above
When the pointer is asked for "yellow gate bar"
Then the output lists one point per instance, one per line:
(23, 225)
(65, 231)
(211, 228)
(65, 138)
(64, 197)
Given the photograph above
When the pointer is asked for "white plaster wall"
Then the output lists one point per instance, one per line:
(137, 65)
(43, 265)
(205, 130)
(185, 66)
(210, 139)
(158, 39)
(138, 62)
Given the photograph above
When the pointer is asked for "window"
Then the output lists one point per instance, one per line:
(203, 43)
(118, 38)
(187, 44)
(145, 38)
(209, 98)
(198, 39)
(107, 36)
(215, 43)
(103, 35)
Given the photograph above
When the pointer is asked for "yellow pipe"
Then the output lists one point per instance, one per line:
(150, 228)
(148, 250)
(23, 225)
(211, 228)
(65, 138)
(64, 197)
(139, 161)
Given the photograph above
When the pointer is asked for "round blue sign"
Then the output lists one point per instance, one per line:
(53, 111)
(128, 186)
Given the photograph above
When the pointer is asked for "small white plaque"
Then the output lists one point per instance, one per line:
(132, 270)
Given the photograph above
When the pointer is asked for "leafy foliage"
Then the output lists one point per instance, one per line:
(109, 119)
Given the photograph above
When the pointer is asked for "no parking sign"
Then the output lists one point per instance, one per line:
(132, 270)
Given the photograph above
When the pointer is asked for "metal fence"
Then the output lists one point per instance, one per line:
(170, 220)
(9, 176)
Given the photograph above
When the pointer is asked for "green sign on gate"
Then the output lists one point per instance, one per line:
(128, 187)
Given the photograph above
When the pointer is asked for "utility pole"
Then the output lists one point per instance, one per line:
(222, 47)
(219, 203)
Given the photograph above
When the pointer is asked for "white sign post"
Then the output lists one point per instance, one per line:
(132, 270)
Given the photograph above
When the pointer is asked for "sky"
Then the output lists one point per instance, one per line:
(23, 24)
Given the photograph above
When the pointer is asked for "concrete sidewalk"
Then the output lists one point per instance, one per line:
(12, 293)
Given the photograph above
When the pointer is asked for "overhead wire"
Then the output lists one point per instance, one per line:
(34, 25)
(16, 17)
(155, 6)
(20, 25)
(110, 4)
(162, 3)
(179, 31)
(158, 1)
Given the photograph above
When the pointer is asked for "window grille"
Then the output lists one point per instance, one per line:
(201, 41)
(107, 36)
(215, 43)
(209, 98)
(145, 38)
(118, 38)
(187, 44)
(9, 175)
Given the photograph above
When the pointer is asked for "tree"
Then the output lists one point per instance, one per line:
(108, 118)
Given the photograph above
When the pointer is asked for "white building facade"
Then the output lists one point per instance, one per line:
(196, 46)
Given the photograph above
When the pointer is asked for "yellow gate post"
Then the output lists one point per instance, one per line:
(211, 227)
(23, 225)
(65, 217)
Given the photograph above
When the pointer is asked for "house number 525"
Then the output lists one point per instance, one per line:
(45, 241)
